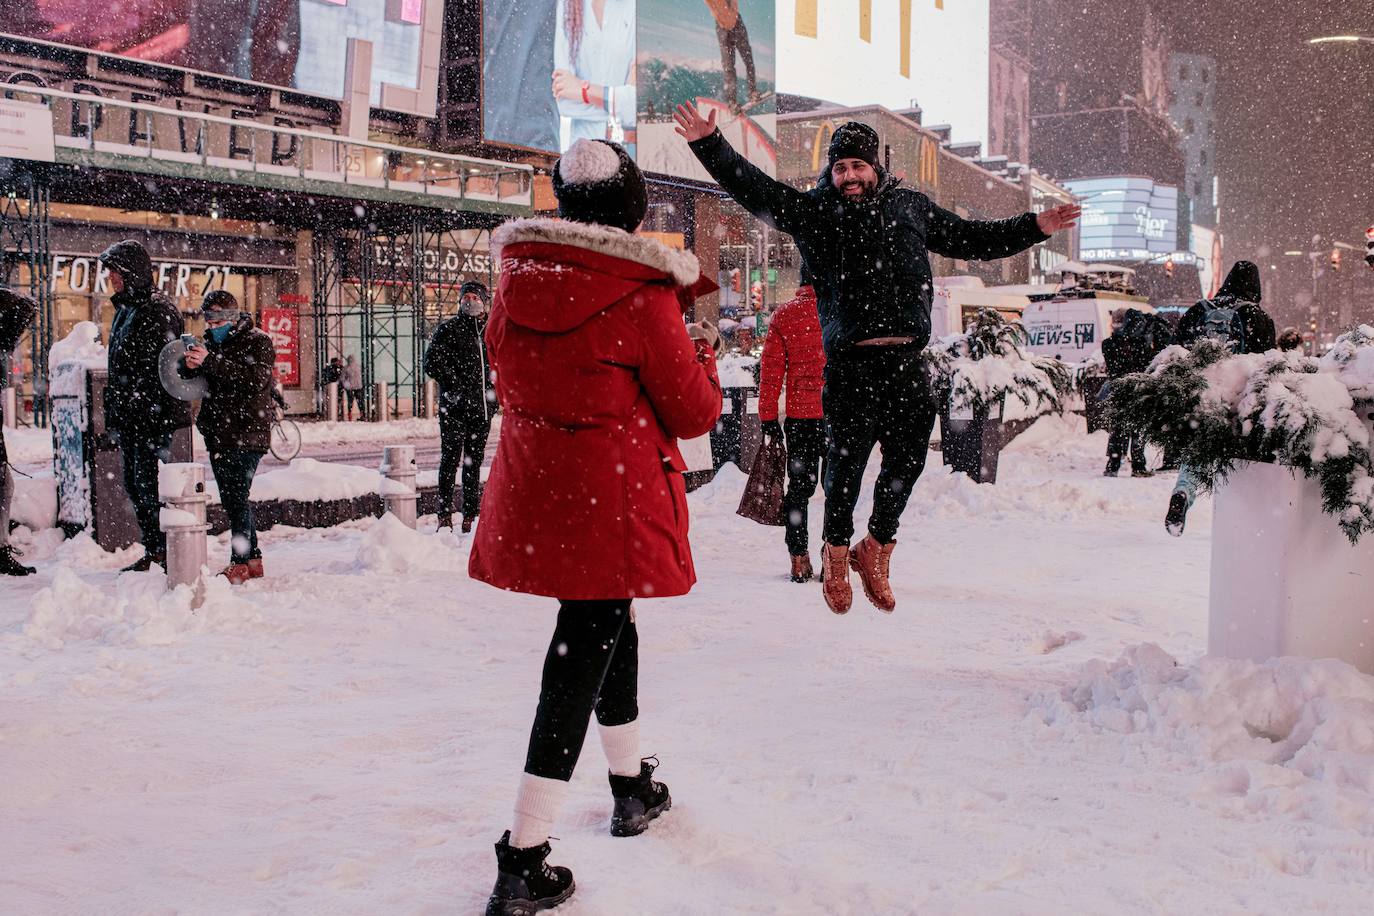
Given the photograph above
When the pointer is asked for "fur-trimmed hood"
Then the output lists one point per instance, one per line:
(555, 274)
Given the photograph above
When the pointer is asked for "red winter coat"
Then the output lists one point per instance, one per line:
(792, 350)
(597, 379)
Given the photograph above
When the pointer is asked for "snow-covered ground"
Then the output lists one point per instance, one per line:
(1033, 731)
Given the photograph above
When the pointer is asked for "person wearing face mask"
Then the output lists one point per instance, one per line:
(865, 240)
(456, 358)
(235, 418)
(140, 415)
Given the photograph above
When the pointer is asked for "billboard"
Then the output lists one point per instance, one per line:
(719, 55)
(293, 44)
(555, 71)
(1125, 218)
(892, 53)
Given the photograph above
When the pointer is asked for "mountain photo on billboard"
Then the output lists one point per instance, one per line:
(719, 55)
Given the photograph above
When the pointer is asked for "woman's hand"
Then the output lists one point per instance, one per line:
(566, 85)
(691, 125)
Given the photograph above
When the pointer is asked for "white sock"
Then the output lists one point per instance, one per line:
(536, 806)
(621, 744)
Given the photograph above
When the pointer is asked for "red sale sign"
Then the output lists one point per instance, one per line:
(283, 326)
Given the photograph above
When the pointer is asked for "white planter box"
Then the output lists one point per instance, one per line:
(1285, 580)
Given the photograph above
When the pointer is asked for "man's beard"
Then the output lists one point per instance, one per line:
(866, 189)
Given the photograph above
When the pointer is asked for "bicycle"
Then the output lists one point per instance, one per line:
(286, 437)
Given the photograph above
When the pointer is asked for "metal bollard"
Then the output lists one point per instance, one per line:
(331, 401)
(431, 401)
(381, 405)
(182, 489)
(398, 489)
(11, 407)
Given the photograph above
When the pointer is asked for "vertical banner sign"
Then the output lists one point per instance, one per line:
(283, 326)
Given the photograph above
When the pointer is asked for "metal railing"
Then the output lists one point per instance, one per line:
(310, 155)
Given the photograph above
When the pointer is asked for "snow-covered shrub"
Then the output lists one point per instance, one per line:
(988, 364)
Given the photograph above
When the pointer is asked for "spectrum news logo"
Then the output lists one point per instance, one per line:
(1082, 335)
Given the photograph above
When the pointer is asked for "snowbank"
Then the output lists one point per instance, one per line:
(29, 445)
(1294, 737)
(390, 547)
(35, 500)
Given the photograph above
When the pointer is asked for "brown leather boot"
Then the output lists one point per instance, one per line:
(255, 570)
(801, 569)
(236, 573)
(872, 561)
(839, 597)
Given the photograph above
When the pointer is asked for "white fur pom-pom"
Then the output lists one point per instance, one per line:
(588, 162)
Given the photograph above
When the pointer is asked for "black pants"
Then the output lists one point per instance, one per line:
(875, 396)
(141, 452)
(592, 664)
(805, 447)
(234, 470)
(1117, 445)
(732, 40)
(462, 439)
(354, 396)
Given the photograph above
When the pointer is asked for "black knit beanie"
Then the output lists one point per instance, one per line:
(597, 182)
(854, 140)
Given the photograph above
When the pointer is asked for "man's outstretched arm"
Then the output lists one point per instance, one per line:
(782, 206)
(984, 240)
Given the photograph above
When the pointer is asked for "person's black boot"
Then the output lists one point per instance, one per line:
(1177, 515)
(638, 800)
(525, 882)
(146, 562)
(9, 566)
(1113, 468)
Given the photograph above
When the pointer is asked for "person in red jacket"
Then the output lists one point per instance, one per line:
(792, 352)
(598, 379)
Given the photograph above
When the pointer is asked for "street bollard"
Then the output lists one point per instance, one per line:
(10, 408)
(331, 401)
(398, 489)
(182, 489)
(381, 405)
(431, 401)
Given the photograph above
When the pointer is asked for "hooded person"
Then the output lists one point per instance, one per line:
(235, 418)
(456, 358)
(597, 380)
(140, 414)
(1233, 317)
(794, 358)
(16, 316)
(866, 240)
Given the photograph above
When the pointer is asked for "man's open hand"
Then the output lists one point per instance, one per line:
(1054, 219)
(690, 123)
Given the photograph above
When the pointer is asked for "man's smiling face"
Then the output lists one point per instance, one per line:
(853, 177)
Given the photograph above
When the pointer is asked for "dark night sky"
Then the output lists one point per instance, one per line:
(1295, 122)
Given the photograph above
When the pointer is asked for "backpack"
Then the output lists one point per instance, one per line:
(1223, 322)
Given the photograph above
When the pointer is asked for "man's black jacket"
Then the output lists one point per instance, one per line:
(237, 414)
(868, 258)
(456, 358)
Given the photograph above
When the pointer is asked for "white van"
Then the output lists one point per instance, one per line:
(1071, 325)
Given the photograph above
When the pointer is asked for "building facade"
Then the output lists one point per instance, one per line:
(1192, 108)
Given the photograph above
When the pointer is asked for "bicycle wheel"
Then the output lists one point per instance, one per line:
(286, 440)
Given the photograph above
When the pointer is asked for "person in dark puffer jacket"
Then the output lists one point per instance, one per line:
(235, 418)
(140, 415)
(866, 241)
(16, 315)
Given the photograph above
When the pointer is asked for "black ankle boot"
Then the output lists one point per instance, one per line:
(10, 566)
(638, 800)
(525, 882)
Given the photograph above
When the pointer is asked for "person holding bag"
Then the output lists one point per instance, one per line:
(793, 354)
(598, 379)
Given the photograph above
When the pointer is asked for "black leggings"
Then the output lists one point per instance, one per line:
(592, 664)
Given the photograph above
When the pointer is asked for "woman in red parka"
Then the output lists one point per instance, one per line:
(597, 379)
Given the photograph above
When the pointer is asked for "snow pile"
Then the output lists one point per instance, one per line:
(1267, 730)
(35, 500)
(1352, 359)
(390, 547)
(736, 371)
(29, 445)
(82, 345)
(139, 611)
(307, 479)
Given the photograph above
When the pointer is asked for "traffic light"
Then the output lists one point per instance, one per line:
(1369, 247)
(1335, 259)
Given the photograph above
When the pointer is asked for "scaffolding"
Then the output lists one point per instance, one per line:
(379, 292)
(26, 264)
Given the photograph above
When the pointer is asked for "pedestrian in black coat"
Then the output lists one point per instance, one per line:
(1136, 340)
(866, 240)
(16, 315)
(139, 413)
(1242, 292)
(235, 418)
(456, 359)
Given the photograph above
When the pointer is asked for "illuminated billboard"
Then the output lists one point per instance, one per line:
(891, 53)
(555, 71)
(293, 44)
(1125, 218)
(719, 55)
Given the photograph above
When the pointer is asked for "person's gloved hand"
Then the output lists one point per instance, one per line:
(772, 429)
(705, 331)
